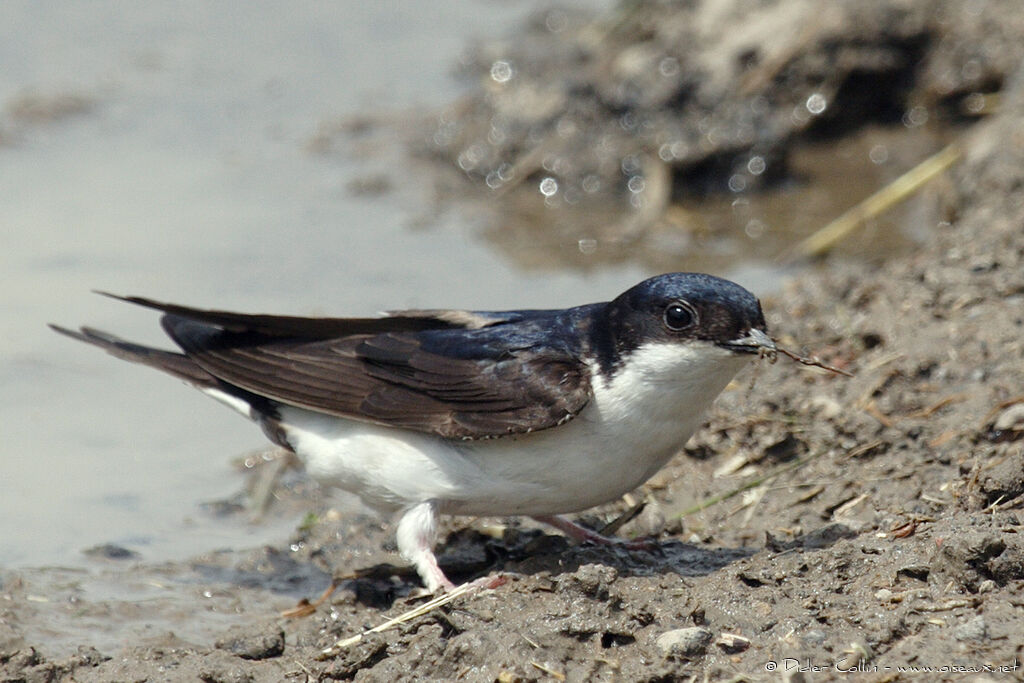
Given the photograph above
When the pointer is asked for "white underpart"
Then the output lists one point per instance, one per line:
(630, 429)
(632, 426)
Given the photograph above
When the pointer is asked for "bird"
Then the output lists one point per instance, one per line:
(435, 412)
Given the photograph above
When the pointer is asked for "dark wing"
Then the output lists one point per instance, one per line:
(175, 364)
(393, 370)
(297, 326)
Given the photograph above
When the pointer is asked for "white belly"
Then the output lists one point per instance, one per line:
(629, 430)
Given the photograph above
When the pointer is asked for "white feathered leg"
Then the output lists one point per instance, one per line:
(417, 531)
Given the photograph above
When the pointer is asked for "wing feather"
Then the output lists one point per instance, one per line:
(394, 377)
(319, 328)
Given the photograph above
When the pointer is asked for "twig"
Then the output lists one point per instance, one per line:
(629, 515)
(812, 361)
(939, 405)
(872, 410)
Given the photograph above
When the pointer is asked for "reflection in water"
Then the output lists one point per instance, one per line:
(724, 231)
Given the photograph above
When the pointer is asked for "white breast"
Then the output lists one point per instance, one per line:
(632, 426)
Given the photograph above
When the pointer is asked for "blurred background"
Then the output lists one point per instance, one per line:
(347, 158)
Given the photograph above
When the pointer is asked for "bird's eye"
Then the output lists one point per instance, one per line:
(679, 315)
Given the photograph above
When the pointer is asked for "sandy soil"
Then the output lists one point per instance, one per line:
(817, 526)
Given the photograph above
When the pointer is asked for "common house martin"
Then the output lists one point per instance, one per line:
(428, 412)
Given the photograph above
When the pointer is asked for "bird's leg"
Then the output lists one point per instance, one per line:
(582, 534)
(417, 531)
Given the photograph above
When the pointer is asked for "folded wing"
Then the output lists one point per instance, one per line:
(390, 370)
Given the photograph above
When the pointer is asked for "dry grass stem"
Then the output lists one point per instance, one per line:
(881, 201)
(404, 617)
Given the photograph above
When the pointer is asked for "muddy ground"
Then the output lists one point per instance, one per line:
(818, 527)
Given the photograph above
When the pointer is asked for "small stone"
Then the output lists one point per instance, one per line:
(975, 629)
(591, 579)
(225, 675)
(1011, 419)
(732, 643)
(883, 595)
(688, 642)
(987, 586)
(248, 642)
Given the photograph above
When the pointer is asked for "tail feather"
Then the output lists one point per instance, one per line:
(176, 364)
(253, 406)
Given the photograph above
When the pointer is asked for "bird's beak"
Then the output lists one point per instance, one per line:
(755, 341)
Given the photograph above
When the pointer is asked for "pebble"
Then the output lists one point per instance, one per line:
(1011, 419)
(253, 642)
(732, 643)
(689, 642)
(592, 579)
(975, 629)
